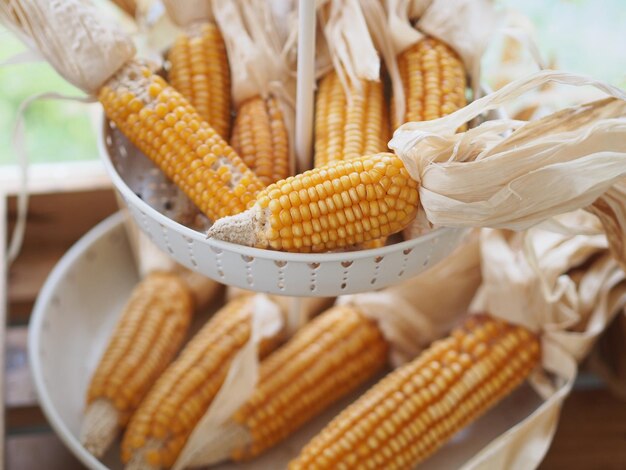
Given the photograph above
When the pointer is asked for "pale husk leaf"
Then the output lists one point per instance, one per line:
(565, 287)
(71, 34)
(184, 13)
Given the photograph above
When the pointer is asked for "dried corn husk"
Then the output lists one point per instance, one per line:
(567, 288)
(480, 178)
(349, 43)
(71, 36)
(185, 13)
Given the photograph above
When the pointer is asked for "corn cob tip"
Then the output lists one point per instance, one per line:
(100, 427)
(242, 228)
(139, 462)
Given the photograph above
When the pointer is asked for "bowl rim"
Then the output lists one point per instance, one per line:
(274, 255)
(59, 271)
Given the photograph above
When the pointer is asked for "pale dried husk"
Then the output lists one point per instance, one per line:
(563, 286)
(416, 312)
(481, 178)
(71, 35)
(242, 377)
(185, 13)
(349, 43)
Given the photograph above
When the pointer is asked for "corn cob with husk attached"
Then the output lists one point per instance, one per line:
(325, 360)
(260, 132)
(161, 426)
(148, 334)
(260, 137)
(414, 410)
(198, 63)
(151, 113)
(433, 81)
(347, 203)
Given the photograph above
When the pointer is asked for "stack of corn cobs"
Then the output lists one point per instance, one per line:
(154, 395)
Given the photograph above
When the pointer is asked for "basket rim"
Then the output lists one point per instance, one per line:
(189, 233)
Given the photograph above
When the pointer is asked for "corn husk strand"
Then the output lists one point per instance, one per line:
(184, 13)
(360, 335)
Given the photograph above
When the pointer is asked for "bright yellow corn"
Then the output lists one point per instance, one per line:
(351, 127)
(433, 79)
(417, 408)
(164, 126)
(326, 359)
(199, 71)
(343, 204)
(260, 137)
(163, 422)
(147, 336)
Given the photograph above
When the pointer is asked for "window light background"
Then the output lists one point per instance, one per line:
(584, 36)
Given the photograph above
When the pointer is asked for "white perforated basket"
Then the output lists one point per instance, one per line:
(155, 204)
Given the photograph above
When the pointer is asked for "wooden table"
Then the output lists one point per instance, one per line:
(591, 435)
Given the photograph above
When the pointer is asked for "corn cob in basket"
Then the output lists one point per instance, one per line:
(263, 87)
(161, 426)
(340, 350)
(415, 409)
(151, 113)
(198, 63)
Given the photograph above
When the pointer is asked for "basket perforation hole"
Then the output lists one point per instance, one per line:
(192, 257)
(166, 238)
(249, 277)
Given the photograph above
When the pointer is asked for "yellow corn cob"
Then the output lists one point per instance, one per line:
(261, 139)
(148, 334)
(163, 422)
(199, 71)
(433, 79)
(164, 126)
(415, 409)
(326, 359)
(344, 204)
(347, 128)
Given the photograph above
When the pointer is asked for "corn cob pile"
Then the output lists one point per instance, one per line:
(418, 407)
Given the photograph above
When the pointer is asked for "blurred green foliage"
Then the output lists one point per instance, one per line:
(55, 130)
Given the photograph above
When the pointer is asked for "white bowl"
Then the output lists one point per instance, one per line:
(75, 314)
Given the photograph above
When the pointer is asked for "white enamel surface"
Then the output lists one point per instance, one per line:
(75, 314)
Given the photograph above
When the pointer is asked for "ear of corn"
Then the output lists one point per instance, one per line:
(164, 126)
(415, 409)
(348, 203)
(165, 419)
(326, 359)
(433, 79)
(149, 333)
(260, 137)
(347, 128)
(199, 71)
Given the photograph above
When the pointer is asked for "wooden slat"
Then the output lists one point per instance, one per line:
(39, 451)
(55, 222)
(19, 388)
(591, 433)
